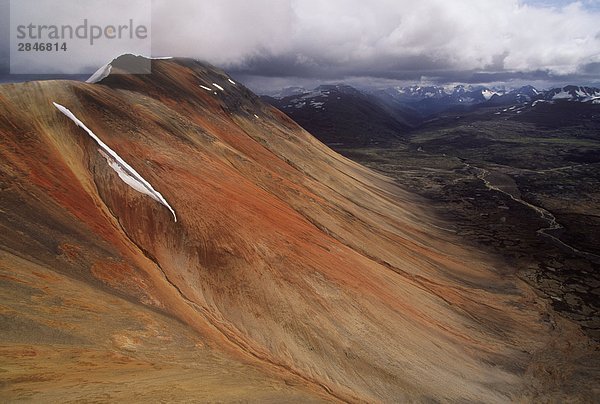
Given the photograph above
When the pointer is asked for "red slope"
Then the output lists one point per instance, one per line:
(286, 258)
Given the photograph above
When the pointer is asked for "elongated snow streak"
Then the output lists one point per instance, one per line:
(124, 170)
(218, 86)
(206, 88)
(231, 81)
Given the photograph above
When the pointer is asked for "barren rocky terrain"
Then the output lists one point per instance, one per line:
(291, 273)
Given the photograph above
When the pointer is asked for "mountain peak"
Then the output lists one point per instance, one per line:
(279, 249)
(127, 63)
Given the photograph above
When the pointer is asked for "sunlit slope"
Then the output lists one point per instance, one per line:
(316, 277)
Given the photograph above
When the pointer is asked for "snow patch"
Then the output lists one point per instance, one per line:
(127, 179)
(218, 86)
(100, 74)
(231, 81)
(104, 71)
(206, 88)
(488, 94)
(591, 99)
(124, 170)
(563, 95)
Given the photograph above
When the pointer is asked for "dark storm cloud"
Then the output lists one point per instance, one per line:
(292, 66)
(592, 69)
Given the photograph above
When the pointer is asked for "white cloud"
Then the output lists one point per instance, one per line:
(359, 37)
(390, 39)
(224, 31)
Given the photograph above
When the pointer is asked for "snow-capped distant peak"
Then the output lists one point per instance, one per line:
(124, 170)
(574, 93)
(562, 95)
(488, 94)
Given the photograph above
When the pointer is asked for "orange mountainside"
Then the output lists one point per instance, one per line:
(291, 273)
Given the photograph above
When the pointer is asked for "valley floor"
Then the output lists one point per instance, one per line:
(529, 195)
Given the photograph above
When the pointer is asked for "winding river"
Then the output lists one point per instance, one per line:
(553, 224)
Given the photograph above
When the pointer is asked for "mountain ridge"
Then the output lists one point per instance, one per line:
(343, 116)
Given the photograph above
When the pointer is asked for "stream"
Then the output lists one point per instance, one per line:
(553, 224)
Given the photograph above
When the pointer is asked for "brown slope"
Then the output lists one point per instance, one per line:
(286, 259)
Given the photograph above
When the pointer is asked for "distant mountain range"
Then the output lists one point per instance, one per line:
(341, 115)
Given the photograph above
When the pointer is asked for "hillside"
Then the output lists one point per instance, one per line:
(340, 115)
(221, 253)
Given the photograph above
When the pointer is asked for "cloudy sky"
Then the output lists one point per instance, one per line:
(272, 43)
